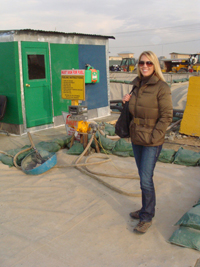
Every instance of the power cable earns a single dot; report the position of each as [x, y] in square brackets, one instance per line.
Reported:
[154, 44]
[155, 29]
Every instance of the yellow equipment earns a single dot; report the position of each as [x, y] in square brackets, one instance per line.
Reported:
[192, 64]
[180, 67]
[78, 119]
[190, 124]
[128, 64]
[79, 126]
[196, 68]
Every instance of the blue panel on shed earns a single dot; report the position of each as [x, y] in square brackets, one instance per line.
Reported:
[96, 95]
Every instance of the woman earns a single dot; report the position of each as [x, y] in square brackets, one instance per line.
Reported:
[151, 107]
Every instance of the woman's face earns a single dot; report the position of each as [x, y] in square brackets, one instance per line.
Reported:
[146, 66]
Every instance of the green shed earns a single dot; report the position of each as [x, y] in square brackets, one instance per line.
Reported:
[30, 76]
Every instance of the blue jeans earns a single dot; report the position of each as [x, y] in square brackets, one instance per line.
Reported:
[146, 157]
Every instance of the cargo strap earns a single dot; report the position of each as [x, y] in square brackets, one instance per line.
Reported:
[147, 122]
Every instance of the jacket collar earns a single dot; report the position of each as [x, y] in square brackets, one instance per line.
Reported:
[153, 80]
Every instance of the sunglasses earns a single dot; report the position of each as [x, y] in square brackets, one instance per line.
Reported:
[148, 63]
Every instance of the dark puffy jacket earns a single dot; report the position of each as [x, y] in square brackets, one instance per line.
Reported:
[152, 110]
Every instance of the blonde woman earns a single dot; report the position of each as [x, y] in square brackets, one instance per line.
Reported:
[151, 107]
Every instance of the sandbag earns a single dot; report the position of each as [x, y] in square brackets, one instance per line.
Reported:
[106, 143]
[167, 155]
[177, 81]
[186, 237]
[191, 218]
[76, 149]
[128, 82]
[122, 145]
[48, 146]
[97, 134]
[186, 157]
[8, 160]
[62, 141]
[120, 81]
[109, 129]
[93, 142]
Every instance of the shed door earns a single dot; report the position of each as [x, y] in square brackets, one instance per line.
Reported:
[37, 86]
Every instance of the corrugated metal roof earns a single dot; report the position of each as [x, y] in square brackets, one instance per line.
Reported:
[179, 53]
[174, 59]
[55, 33]
[184, 53]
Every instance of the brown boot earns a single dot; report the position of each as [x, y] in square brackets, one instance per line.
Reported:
[142, 227]
[135, 214]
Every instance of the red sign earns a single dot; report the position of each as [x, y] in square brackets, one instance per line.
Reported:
[72, 72]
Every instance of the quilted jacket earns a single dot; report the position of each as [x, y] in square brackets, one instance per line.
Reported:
[152, 110]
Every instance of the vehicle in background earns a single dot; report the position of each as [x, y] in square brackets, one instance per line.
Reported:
[115, 68]
[128, 64]
[114, 65]
[192, 64]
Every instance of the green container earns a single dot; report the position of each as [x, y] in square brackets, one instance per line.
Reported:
[91, 75]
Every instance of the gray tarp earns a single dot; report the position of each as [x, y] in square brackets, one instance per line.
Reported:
[65, 218]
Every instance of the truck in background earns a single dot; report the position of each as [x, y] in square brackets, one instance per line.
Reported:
[192, 64]
[126, 64]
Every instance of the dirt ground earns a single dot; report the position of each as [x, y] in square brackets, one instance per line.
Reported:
[190, 143]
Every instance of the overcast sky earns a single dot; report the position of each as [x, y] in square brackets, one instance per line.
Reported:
[163, 26]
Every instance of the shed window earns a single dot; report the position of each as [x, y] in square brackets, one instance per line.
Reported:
[36, 67]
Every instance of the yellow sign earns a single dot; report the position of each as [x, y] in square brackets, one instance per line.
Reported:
[73, 84]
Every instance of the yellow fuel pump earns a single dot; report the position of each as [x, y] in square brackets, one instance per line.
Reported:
[77, 118]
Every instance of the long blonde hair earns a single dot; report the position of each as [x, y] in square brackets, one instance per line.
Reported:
[153, 58]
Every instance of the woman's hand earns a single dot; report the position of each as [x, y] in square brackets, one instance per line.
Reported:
[126, 98]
